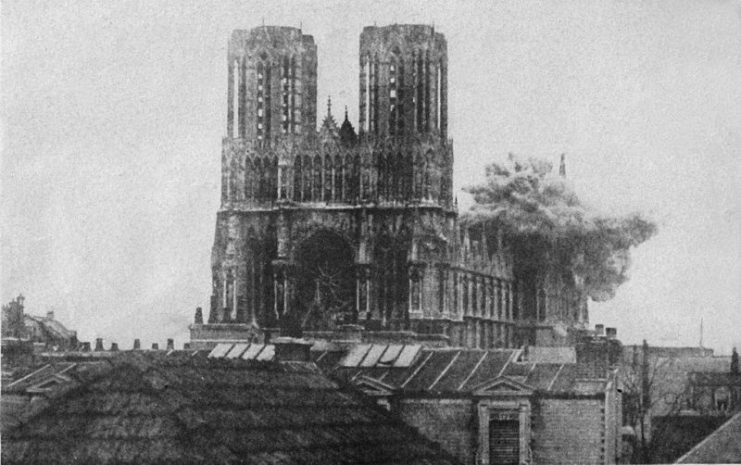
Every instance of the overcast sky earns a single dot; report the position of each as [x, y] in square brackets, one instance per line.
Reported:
[113, 114]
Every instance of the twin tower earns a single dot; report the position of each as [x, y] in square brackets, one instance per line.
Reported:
[329, 228]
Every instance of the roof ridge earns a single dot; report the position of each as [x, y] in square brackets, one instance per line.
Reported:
[708, 437]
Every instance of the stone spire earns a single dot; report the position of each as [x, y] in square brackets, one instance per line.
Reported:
[348, 136]
[562, 166]
[329, 127]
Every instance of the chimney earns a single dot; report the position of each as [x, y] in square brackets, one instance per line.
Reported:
[85, 347]
[611, 333]
[170, 344]
[99, 344]
[289, 349]
[155, 346]
[114, 346]
[50, 315]
[599, 330]
[734, 362]
[199, 316]
[137, 344]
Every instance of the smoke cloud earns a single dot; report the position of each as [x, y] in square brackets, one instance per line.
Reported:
[544, 222]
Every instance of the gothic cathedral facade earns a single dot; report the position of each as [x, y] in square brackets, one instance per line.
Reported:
[321, 231]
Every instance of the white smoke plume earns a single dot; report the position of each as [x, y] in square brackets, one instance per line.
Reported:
[544, 221]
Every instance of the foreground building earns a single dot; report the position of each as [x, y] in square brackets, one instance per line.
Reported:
[320, 230]
[168, 407]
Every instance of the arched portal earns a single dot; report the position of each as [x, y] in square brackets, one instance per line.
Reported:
[325, 282]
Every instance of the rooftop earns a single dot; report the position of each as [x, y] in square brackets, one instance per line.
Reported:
[183, 407]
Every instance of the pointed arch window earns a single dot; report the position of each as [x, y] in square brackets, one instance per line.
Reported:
[338, 178]
[297, 178]
[260, 179]
[317, 194]
[428, 175]
[260, 100]
[419, 175]
[393, 94]
[234, 88]
[328, 179]
[295, 116]
[439, 96]
[353, 179]
[249, 180]
[420, 76]
[365, 94]
[286, 94]
[308, 174]
[272, 192]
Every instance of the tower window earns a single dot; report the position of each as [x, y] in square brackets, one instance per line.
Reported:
[234, 99]
[260, 100]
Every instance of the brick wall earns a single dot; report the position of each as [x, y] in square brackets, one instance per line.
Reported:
[451, 423]
[568, 431]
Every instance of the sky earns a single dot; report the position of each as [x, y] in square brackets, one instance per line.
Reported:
[113, 114]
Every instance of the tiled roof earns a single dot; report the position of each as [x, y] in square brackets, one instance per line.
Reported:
[462, 371]
[721, 446]
[148, 408]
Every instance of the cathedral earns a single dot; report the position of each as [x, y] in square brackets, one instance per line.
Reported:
[344, 230]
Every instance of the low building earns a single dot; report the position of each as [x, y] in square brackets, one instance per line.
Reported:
[493, 406]
[46, 332]
[156, 407]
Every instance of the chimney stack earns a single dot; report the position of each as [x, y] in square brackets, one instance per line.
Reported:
[734, 362]
[114, 346]
[289, 349]
[170, 344]
[611, 333]
[199, 316]
[137, 344]
[85, 347]
[599, 330]
[99, 344]
[155, 346]
[50, 315]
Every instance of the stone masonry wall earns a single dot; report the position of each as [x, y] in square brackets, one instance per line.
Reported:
[451, 423]
[568, 431]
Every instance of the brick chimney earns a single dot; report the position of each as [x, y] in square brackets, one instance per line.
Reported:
[599, 330]
[85, 347]
[199, 316]
[99, 345]
[137, 344]
[155, 346]
[611, 333]
[114, 346]
[170, 344]
[289, 349]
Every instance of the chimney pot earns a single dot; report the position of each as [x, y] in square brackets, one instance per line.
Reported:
[170, 344]
[137, 344]
[599, 330]
[289, 349]
[155, 346]
[114, 346]
[611, 333]
[99, 344]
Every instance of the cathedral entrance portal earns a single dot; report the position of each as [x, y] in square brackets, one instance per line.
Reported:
[325, 282]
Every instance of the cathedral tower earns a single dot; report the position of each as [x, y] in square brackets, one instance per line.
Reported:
[403, 80]
[272, 84]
